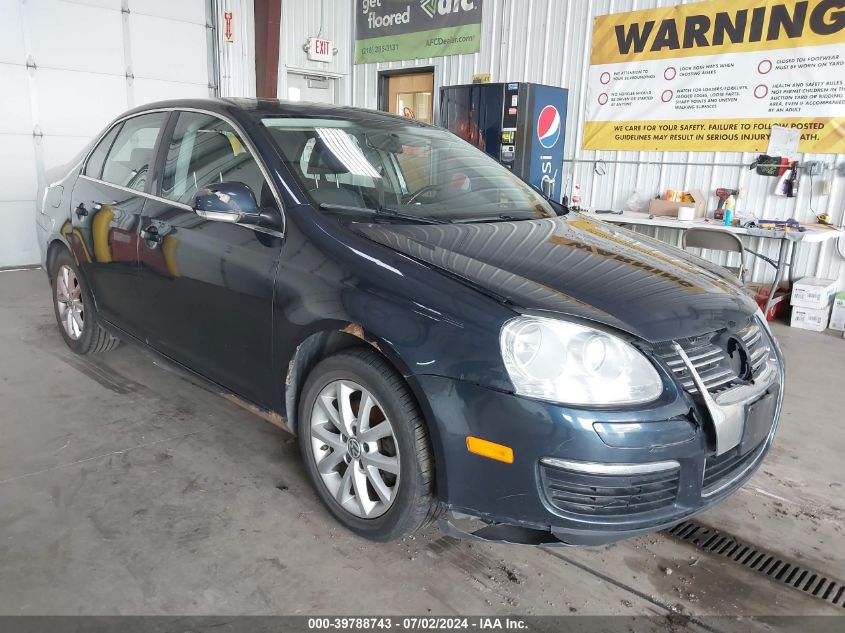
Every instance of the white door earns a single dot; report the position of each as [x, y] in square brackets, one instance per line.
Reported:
[313, 88]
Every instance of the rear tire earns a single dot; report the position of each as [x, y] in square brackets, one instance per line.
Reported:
[74, 309]
[373, 467]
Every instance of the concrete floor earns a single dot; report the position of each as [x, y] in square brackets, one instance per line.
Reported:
[127, 489]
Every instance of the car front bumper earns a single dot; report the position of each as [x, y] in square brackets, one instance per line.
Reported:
[588, 477]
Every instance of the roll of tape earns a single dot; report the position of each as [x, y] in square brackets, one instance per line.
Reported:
[686, 214]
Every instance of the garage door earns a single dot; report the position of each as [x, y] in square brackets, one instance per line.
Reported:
[66, 68]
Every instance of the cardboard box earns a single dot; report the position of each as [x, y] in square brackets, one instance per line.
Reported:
[669, 208]
[837, 315]
[812, 292]
[809, 319]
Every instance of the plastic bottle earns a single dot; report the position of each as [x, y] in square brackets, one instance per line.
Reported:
[576, 195]
[730, 203]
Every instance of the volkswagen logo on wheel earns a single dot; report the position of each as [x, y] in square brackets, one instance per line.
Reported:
[548, 126]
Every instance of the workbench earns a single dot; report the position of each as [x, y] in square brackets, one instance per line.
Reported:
[788, 239]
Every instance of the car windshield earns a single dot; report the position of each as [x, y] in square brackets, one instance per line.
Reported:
[400, 167]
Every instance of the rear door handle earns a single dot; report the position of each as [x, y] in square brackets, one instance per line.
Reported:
[151, 234]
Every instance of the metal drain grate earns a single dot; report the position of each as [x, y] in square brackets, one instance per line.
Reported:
[764, 562]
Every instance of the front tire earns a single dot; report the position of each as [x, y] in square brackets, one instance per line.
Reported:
[366, 447]
[74, 309]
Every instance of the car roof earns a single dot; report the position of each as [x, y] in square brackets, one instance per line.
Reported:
[277, 107]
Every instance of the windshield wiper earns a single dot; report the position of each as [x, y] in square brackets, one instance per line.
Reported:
[382, 212]
[501, 217]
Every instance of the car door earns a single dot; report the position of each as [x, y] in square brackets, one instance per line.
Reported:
[106, 204]
[208, 285]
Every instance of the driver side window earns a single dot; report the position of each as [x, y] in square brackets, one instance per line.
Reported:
[205, 150]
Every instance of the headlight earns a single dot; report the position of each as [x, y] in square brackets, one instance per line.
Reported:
[574, 364]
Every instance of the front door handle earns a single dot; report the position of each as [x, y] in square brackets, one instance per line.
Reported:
[151, 234]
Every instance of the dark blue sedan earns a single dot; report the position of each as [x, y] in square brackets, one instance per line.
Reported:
[443, 339]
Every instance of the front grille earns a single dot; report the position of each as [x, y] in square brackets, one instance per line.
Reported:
[711, 360]
[593, 494]
[720, 469]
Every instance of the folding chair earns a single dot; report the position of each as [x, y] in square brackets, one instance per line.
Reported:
[717, 240]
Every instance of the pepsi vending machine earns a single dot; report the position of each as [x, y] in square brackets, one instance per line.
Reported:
[519, 124]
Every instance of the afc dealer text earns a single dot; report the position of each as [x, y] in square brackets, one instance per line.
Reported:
[443, 6]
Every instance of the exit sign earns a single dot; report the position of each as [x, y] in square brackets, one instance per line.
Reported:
[320, 50]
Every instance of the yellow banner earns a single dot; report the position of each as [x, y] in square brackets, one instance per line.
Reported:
[716, 76]
[716, 27]
[723, 135]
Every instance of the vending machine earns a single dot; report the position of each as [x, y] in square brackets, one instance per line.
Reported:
[521, 125]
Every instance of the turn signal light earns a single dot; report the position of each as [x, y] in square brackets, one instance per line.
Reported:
[499, 452]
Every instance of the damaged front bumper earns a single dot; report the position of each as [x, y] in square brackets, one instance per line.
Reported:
[594, 477]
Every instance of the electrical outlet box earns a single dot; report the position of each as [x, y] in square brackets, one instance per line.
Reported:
[813, 167]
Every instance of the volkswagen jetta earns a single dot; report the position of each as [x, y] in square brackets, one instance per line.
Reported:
[443, 339]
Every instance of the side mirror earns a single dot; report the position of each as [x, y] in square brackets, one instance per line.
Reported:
[227, 202]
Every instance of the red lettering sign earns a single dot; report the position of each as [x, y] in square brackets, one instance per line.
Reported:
[227, 17]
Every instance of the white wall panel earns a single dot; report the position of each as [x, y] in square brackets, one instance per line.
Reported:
[60, 150]
[16, 162]
[12, 50]
[81, 57]
[15, 105]
[74, 36]
[183, 60]
[103, 4]
[104, 97]
[193, 12]
[17, 239]
[150, 90]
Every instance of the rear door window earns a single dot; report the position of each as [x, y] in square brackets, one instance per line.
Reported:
[130, 160]
[94, 166]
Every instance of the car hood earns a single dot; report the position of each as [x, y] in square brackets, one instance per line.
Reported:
[578, 266]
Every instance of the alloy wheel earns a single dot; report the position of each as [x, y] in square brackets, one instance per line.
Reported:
[69, 302]
[355, 449]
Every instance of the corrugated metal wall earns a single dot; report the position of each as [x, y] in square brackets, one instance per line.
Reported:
[302, 19]
[235, 59]
[548, 41]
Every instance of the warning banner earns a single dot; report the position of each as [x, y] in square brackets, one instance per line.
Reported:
[715, 76]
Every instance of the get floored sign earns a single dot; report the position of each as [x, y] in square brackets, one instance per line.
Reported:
[393, 30]
[715, 76]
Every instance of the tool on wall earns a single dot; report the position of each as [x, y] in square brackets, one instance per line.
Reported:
[788, 183]
[774, 166]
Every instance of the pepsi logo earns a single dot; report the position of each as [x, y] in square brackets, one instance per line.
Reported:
[548, 126]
